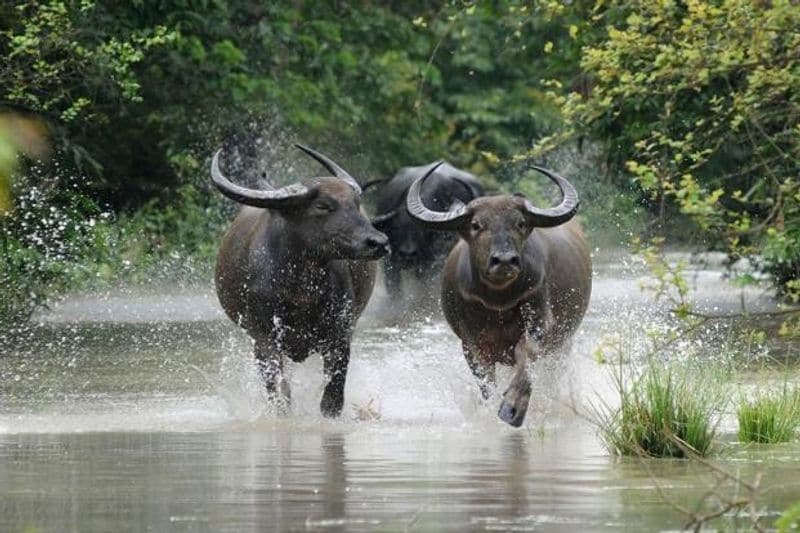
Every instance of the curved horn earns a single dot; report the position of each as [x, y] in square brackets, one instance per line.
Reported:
[332, 167]
[554, 216]
[451, 220]
[290, 196]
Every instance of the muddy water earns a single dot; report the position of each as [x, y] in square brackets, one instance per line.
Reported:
[134, 412]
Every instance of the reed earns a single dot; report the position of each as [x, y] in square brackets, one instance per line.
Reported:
[664, 412]
[769, 417]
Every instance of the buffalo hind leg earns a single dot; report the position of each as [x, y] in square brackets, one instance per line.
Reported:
[483, 371]
[270, 365]
[335, 366]
[518, 394]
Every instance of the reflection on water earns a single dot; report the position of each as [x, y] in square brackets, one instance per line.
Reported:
[160, 424]
[273, 478]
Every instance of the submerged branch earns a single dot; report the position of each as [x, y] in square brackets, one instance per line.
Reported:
[765, 314]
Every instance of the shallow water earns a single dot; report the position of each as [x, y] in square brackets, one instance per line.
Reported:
[144, 411]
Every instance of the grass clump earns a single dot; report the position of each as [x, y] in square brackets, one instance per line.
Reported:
[769, 418]
[664, 412]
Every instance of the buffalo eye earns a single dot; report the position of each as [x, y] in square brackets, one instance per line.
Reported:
[323, 207]
[476, 226]
[522, 225]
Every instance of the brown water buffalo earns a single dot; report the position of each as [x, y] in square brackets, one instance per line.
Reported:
[295, 271]
[515, 286]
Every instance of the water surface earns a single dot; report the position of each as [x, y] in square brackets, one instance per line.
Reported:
[143, 411]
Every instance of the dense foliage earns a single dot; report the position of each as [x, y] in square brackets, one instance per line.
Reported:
[138, 92]
[700, 101]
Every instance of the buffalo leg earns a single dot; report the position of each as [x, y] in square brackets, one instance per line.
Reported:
[516, 397]
[483, 372]
[335, 367]
[270, 365]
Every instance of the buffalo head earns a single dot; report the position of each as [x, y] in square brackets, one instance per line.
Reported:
[323, 214]
[495, 228]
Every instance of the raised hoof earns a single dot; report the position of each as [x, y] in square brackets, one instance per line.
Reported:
[511, 415]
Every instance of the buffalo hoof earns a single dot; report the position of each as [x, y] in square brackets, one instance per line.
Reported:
[511, 415]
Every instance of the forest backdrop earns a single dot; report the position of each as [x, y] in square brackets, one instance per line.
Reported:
[676, 120]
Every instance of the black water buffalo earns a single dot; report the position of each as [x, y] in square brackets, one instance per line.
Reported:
[515, 286]
[294, 271]
[414, 249]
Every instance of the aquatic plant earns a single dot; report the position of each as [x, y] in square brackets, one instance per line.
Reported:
[664, 412]
[769, 417]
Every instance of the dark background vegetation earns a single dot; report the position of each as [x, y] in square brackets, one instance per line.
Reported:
[674, 120]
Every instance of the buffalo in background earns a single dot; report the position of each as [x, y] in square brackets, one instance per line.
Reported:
[417, 251]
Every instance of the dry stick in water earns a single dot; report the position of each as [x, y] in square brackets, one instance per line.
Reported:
[698, 520]
[779, 312]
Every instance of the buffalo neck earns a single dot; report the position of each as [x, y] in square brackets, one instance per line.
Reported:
[297, 263]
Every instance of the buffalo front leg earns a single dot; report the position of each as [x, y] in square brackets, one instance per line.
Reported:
[516, 397]
[335, 366]
[270, 365]
[482, 370]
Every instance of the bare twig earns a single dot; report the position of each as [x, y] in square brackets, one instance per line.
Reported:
[424, 73]
[764, 314]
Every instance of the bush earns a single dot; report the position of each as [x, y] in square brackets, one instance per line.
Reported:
[698, 102]
[43, 241]
[172, 239]
[56, 240]
[665, 412]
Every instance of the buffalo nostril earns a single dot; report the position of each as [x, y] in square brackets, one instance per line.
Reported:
[504, 258]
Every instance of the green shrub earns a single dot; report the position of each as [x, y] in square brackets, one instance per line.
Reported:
[665, 412]
[769, 418]
[57, 240]
[789, 519]
[43, 242]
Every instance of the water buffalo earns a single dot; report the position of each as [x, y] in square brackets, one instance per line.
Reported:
[414, 249]
[294, 271]
[515, 286]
